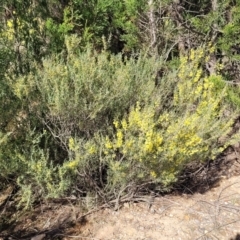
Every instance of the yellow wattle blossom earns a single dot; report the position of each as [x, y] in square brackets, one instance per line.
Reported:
[187, 122]
[31, 31]
[71, 164]
[38, 167]
[164, 118]
[197, 76]
[134, 118]
[129, 144]
[124, 124]
[207, 58]
[10, 23]
[108, 143]
[71, 144]
[9, 32]
[153, 174]
[220, 67]
[148, 147]
[158, 140]
[119, 142]
[212, 49]
[192, 54]
[199, 90]
[116, 124]
[193, 141]
[92, 150]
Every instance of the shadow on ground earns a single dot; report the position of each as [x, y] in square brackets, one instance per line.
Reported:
[201, 178]
[48, 222]
[237, 237]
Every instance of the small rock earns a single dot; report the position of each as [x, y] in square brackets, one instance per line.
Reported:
[231, 157]
[39, 237]
[126, 205]
[236, 145]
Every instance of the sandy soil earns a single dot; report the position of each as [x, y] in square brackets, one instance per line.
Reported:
[213, 215]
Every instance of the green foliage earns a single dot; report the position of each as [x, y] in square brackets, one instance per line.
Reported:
[77, 95]
[87, 90]
[32, 168]
[92, 19]
[8, 164]
[115, 21]
[43, 178]
[232, 90]
[57, 32]
[22, 31]
[149, 145]
[230, 37]
[234, 96]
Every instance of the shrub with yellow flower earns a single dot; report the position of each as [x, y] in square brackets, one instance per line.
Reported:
[158, 146]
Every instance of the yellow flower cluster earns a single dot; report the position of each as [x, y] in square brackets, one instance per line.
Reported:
[153, 174]
[192, 87]
[137, 138]
[153, 141]
[92, 150]
[197, 75]
[71, 144]
[37, 167]
[119, 141]
[185, 138]
[163, 144]
[108, 143]
[71, 164]
[9, 33]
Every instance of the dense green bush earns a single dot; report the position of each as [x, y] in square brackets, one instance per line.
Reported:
[83, 93]
[154, 142]
[71, 95]
[97, 124]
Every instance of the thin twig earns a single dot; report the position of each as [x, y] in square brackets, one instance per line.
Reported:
[224, 225]
[78, 237]
[219, 197]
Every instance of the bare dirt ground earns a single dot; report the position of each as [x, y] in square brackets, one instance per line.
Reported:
[214, 215]
[206, 206]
